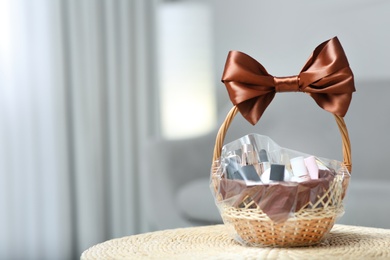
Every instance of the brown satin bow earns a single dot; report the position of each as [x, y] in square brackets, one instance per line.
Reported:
[326, 77]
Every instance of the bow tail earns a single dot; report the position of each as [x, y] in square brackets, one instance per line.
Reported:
[252, 109]
[334, 103]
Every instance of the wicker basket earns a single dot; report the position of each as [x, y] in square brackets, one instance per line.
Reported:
[308, 226]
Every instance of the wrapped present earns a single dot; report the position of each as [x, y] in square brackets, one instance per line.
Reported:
[269, 195]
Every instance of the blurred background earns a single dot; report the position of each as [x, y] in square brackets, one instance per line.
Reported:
[109, 110]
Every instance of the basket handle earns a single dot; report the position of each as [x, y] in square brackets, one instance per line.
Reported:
[346, 144]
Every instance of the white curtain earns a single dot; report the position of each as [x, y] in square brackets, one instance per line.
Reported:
[77, 103]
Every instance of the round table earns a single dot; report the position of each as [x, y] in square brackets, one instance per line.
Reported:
[214, 242]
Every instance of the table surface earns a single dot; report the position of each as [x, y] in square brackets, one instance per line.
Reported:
[214, 242]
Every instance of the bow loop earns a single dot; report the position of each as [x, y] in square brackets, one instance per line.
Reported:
[326, 77]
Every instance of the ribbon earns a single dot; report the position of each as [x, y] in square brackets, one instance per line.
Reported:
[326, 77]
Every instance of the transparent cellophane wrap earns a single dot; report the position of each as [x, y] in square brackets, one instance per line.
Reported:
[280, 213]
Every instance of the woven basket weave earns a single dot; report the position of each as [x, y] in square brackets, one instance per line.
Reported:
[308, 226]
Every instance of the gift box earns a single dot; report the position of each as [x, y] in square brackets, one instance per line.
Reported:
[269, 195]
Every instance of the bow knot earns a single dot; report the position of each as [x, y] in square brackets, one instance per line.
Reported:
[326, 77]
[286, 84]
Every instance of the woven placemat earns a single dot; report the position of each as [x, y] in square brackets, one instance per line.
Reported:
[213, 242]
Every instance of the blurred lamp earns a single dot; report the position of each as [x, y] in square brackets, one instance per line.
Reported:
[187, 99]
